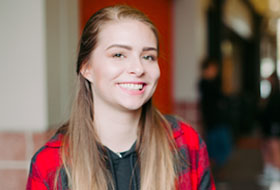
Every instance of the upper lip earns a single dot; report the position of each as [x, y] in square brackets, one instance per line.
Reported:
[132, 82]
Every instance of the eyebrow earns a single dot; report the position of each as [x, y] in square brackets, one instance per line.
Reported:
[119, 46]
[150, 49]
[130, 48]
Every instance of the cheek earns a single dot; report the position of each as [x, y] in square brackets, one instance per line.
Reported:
[155, 73]
[106, 73]
[97, 75]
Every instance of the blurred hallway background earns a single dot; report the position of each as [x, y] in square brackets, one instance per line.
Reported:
[37, 72]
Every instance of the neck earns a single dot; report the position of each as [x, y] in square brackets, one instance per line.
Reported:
[116, 129]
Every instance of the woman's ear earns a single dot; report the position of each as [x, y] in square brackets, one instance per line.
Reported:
[86, 71]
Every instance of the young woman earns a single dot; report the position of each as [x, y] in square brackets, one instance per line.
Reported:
[115, 138]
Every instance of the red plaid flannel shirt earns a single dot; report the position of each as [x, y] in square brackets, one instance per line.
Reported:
[195, 175]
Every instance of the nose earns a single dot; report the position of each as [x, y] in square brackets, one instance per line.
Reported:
[135, 67]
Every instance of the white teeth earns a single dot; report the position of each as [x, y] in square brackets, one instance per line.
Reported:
[131, 86]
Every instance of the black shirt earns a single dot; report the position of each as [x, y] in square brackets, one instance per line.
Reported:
[124, 169]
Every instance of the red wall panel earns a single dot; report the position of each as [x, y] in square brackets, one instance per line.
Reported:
[160, 12]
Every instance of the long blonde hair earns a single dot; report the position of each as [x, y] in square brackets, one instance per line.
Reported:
[81, 155]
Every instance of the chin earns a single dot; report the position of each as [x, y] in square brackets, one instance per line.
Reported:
[133, 106]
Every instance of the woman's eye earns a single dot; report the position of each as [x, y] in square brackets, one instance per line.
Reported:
[149, 57]
[118, 55]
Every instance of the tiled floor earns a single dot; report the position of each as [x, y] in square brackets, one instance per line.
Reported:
[243, 168]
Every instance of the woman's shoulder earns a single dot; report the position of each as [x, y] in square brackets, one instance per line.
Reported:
[195, 173]
[48, 156]
[184, 133]
[180, 127]
[44, 164]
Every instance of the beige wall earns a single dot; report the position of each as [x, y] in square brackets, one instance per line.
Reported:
[62, 31]
[23, 62]
[189, 46]
[37, 53]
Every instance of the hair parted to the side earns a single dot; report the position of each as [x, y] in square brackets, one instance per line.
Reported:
[81, 155]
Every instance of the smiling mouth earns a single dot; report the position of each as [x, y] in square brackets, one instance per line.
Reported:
[131, 86]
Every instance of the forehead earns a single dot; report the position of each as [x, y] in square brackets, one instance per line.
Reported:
[127, 31]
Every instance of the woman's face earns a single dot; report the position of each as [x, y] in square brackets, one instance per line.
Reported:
[123, 68]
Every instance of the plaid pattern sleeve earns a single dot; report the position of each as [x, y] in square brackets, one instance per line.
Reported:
[195, 173]
[44, 165]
